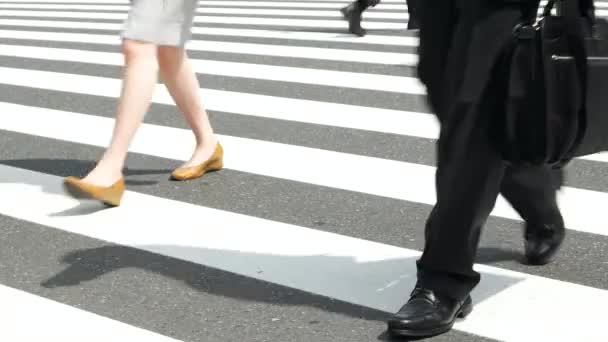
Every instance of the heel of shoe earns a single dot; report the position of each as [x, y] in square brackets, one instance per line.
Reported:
[112, 198]
[465, 310]
[215, 165]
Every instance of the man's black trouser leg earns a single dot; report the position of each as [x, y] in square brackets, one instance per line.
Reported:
[414, 19]
[470, 175]
[532, 192]
[364, 4]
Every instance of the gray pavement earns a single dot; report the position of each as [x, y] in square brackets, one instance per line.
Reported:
[166, 293]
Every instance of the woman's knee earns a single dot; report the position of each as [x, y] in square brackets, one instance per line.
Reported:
[135, 50]
[169, 57]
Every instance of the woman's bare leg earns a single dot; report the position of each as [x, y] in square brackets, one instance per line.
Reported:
[180, 79]
[140, 77]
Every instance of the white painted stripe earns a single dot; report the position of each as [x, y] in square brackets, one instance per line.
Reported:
[421, 125]
[583, 210]
[205, 4]
[295, 35]
[27, 317]
[322, 113]
[234, 69]
[73, 1]
[127, 1]
[396, 2]
[343, 55]
[220, 10]
[317, 24]
[337, 14]
[302, 4]
[60, 6]
[357, 271]
[598, 157]
[598, 4]
[373, 14]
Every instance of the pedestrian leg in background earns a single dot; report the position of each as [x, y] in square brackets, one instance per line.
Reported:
[412, 9]
[154, 32]
[353, 13]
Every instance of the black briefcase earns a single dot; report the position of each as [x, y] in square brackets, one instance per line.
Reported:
[552, 80]
[595, 137]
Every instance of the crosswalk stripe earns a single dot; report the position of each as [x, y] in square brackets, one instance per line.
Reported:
[27, 317]
[598, 4]
[355, 214]
[308, 36]
[396, 2]
[299, 4]
[314, 23]
[413, 124]
[344, 268]
[372, 14]
[221, 10]
[67, 1]
[346, 55]
[581, 208]
[323, 113]
[234, 69]
[353, 270]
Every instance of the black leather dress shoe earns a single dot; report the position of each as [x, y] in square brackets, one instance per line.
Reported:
[427, 314]
[541, 242]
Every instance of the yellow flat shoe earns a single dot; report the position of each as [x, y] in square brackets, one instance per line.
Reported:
[110, 195]
[214, 163]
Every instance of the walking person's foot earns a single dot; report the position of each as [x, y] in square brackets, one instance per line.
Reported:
[352, 13]
[542, 242]
[427, 314]
[208, 156]
[110, 195]
[105, 183]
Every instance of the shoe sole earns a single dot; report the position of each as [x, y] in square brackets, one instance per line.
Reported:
[462, 313]
[179, 179]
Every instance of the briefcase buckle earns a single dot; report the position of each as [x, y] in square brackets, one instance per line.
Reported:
[524, 31]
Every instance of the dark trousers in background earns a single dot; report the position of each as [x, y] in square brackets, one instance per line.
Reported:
[412, 7]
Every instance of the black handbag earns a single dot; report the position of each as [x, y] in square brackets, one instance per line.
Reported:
[595, 137]
[542, 82]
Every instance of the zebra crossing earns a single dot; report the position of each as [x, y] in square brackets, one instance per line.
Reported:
[311, 231]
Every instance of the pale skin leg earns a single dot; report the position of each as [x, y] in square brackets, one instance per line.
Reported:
[180, 79]
[142, 64]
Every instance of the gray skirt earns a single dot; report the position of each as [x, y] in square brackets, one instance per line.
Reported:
[162, 22]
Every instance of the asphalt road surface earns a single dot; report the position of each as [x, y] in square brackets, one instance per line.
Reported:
[311, 231]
